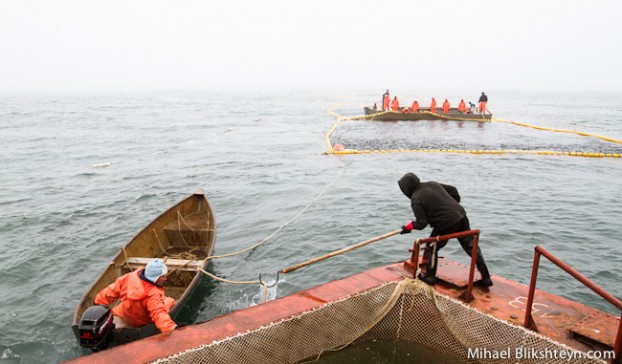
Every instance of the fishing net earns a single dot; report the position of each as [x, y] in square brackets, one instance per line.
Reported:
[407, 310]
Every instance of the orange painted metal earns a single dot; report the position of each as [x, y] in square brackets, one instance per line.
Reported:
[584, 329]
[505, 300]
[231, 324]
[468, 296]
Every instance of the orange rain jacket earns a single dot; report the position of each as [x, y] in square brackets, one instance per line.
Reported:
[415, 106]
[462, 106]
[395, 104]
[141, 302]
[445, 107]
[385, 103]
[433, 106]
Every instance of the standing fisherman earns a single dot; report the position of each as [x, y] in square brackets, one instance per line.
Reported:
[415, 107]
[446, 107]
[438, 204]
[433, 106]
[386, 99]
[482, 103]
[395, 104]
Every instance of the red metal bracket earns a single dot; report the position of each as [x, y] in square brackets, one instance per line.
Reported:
[414, 264]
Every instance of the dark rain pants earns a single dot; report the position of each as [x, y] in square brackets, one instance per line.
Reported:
[466, 243]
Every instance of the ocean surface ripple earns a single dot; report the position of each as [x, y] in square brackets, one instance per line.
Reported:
[83, 173]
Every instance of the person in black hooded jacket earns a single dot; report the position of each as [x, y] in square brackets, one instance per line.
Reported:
[439, 206]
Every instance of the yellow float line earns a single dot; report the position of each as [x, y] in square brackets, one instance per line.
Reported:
[467, 151]
[559, 130]
[480, 151]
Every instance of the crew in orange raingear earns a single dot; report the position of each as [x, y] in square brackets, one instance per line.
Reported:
[433, 106]
[386, 99]
[415, 107]
[142, 298]
[462, 106]
[482, 103]
[395, 105]
[446, 107]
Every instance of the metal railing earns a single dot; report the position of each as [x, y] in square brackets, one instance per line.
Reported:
[529, 322]
[468, 297]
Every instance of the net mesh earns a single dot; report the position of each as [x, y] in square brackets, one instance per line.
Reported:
[407, 310]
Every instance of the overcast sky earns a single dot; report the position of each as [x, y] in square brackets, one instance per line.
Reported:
[177, 44]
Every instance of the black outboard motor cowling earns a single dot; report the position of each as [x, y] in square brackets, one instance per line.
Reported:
[96, 328]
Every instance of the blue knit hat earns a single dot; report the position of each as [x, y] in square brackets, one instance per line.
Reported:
[155, 269]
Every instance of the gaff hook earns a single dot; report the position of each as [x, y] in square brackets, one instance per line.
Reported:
[272, 285]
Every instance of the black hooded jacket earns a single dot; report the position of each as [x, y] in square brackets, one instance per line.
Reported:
[433, 203]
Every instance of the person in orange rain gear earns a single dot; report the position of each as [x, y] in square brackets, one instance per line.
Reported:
[482, 103]
[395, 104]
[142, 298]
[462, 106]
[446, 107]
[405, 110]
[415, 107]
[433, 106]
[386, 99]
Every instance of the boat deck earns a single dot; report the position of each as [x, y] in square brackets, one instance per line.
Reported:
[562, 320]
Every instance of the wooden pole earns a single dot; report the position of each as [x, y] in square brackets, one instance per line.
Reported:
[340, 251]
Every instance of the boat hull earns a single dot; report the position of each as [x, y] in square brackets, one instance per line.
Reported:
[185, 230]
[423, 114]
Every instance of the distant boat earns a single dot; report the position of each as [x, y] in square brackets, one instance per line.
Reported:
[423, 114]
[183, 236]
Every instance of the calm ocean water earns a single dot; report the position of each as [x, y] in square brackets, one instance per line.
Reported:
[259, 158]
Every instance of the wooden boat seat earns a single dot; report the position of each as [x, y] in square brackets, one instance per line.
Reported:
[178, 264]
[189, 233]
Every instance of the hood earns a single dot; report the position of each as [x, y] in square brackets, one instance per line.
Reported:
[408, 183]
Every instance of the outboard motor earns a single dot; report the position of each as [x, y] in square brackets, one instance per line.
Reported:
[96, 328]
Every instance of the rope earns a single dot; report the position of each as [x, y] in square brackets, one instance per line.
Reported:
[159, 242]
[481, 151]
[280, 227]
[341, 118]
[179, 217]
[265, 287]
[469, 151]
[607, 139]
[126, 260]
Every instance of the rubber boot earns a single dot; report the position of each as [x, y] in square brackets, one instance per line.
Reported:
[430, 272]
[483, 270]
[480, 263]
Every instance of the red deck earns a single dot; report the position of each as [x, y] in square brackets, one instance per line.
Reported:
[506, 300]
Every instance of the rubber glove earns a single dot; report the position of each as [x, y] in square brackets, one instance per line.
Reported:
[407, 228]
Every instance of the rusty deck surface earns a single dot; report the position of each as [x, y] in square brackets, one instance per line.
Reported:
[556, 317]
[505, 300]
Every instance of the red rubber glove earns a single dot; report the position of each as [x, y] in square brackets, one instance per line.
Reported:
[407, 228]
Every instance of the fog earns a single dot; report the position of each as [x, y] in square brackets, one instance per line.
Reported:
[274, 44]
